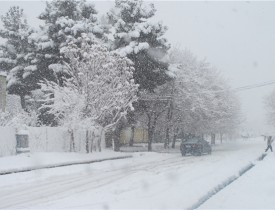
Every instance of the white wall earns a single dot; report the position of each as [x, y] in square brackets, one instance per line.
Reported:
[7, 141]
[49, 139]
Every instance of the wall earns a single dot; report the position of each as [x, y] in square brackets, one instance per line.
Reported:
[50, 139]
[7, 141]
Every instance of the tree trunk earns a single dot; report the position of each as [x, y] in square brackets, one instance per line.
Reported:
[23, 102]
[169, 117]
[116, 141]
[150, 134]
[151, 130]
[221, 137]
[131, 142]
[150, 139]
[72, 143]
[87, 141]
[174, 138]
[116, 136]
[92, 147]
[166, 142]
[100, 139]
[213, 138]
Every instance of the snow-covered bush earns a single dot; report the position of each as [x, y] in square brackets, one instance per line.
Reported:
[15, 116]
[18, 120]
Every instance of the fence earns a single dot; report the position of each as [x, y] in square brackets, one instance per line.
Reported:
[53, 139]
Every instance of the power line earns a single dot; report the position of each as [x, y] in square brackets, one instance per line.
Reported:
[248, 87]
[238, 89]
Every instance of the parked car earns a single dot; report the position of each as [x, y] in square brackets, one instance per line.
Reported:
[195, 146]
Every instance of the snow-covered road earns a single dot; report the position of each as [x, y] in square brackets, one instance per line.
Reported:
[149, 180]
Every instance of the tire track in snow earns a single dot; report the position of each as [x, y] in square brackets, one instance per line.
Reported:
[50, 190]
[225, 183]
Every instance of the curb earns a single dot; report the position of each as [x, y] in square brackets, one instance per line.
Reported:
[61, 165]
[225, 183]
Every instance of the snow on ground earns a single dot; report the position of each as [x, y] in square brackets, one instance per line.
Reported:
[254, 190]
[146, 181]
[40, 159]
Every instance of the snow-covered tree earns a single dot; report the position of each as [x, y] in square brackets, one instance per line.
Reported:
[203, 101]
[136, 36]
[100, 90]
[154, 106]
[270, 107]
[16, 52]
[65, 21]
[15, 116]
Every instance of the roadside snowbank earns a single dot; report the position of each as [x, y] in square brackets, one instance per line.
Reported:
[34, 161]
[254, 190]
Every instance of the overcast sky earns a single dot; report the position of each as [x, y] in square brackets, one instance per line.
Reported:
[236, 37]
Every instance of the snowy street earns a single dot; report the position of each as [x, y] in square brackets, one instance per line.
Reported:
[134, 104]
[148, 180]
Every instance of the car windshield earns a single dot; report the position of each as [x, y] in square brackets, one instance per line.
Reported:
[192, 141]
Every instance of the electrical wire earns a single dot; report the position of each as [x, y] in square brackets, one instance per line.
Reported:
[248, 87]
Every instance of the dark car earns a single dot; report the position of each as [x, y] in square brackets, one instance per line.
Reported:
[195, 146]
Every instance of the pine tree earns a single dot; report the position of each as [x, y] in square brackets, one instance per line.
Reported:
[16, 52]
[141, 40]
[65, 21]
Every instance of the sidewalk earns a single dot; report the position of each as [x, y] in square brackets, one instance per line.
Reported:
[35, 161]
[254, 190]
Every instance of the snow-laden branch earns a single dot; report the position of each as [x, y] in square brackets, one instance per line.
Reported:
[101, 88]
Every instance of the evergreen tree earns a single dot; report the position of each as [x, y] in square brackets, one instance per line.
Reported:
[16, 52]
[65, 21]
[141, 40]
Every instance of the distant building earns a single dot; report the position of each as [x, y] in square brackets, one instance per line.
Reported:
[140, 135]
